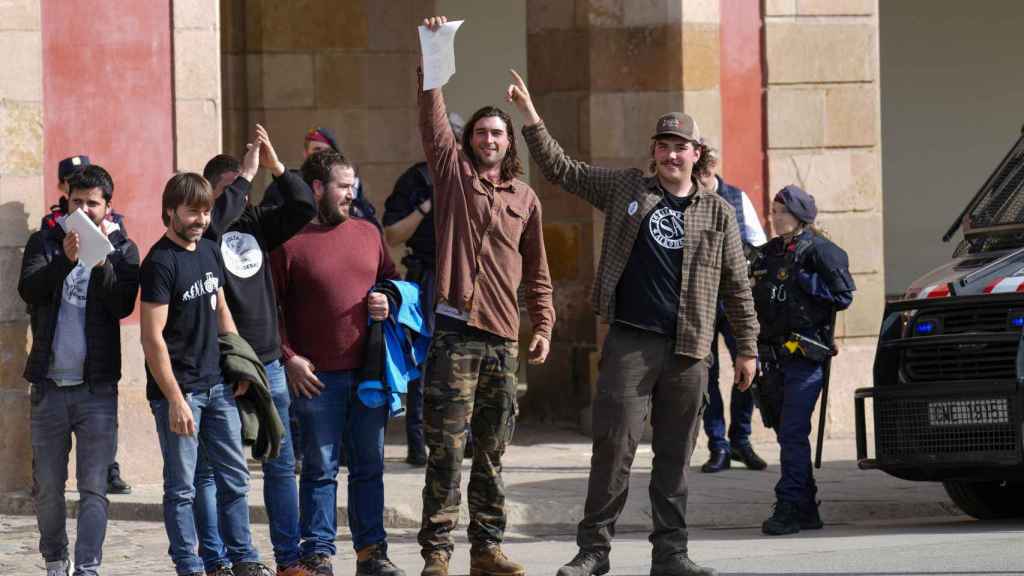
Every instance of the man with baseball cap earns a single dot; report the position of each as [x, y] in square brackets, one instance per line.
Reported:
[671, 249]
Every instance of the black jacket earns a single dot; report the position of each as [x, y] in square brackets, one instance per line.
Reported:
[247, 235]
[110, 297]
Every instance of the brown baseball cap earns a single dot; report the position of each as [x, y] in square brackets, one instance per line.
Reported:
[677, 124]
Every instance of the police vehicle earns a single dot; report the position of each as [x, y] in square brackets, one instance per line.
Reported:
[948, 396]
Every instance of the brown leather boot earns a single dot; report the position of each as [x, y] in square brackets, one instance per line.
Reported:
[491, 561]
[435, 564]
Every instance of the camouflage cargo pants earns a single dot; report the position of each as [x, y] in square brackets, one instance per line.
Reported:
[469, 381]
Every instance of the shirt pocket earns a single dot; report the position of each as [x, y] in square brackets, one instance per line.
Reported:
[514, 222]
[709, 250]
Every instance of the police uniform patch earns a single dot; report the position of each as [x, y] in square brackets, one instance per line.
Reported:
[782, 274]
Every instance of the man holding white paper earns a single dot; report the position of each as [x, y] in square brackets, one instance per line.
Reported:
[75, 365]
[489, 241]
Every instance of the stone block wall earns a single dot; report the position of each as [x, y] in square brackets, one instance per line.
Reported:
[349, 66]
[21, 207]
[824, 135]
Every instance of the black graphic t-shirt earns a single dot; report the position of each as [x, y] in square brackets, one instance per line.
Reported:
[647, 296]
[187, 281]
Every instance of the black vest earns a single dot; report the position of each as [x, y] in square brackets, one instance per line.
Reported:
[734, 196]
[783, 307]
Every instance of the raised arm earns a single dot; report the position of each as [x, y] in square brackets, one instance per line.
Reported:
[232, 202]
[280, 222]
[591, 183]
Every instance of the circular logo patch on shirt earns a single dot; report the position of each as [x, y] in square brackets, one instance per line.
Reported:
[242, 254]
[667, 228]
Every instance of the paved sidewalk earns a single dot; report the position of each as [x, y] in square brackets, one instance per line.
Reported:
[545, 477]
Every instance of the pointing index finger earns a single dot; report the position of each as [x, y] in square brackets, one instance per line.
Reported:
[518, 79]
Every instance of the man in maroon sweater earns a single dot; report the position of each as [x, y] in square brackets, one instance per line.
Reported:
[323, 277]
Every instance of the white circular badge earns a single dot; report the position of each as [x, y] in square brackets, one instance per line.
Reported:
[242, 254]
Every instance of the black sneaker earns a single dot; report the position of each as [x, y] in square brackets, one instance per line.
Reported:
[586, 563]
[222, 570]
[785, 519]
[378, 563]
[810, 518]
[252, 569]
[319, 564]
[679, 564]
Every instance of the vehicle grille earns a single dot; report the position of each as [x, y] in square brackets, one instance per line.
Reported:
[975, 320]
[902, 429]
[951, 362]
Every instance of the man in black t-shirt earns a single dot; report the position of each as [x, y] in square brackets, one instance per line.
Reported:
[183, 311]
[247, 235]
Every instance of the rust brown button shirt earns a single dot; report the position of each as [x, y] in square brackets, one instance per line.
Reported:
[713, 263]
[489, 237]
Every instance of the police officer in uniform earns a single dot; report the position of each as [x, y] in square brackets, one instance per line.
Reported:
[800, 279]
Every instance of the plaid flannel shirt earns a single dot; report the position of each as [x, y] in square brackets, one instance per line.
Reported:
[713, 263]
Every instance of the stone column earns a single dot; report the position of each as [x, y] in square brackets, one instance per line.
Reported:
[824, 135]
[21, 207]
[631, 62]
[197, 83]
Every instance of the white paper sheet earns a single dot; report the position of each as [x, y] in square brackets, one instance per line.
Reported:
[438, 49]
[93, 245]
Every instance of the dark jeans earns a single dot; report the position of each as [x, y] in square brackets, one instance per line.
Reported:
[640, 377]
[424, 276]
[332, 422]
[803, 381]
[741, 404]
[89, 415]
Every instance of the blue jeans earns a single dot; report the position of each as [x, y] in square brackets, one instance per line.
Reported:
[741, 404]
[219, 438]
[333, 421]
[280, 493]
[802, 384]
[91, 415]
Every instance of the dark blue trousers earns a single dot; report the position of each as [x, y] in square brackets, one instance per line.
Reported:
[803, 382]
[741, 404]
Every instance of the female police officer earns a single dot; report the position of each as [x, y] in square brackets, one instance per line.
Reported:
[800, 280]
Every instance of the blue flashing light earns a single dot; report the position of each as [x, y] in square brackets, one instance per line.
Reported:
[926, 327]
[1017, 321]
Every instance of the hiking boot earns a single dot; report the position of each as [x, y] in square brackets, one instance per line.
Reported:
[222, 570]
[718, 461]
[376, 562]
[810, 519]
[435, 563]
[679, 564]
[785, 519]
[749, 458]
[59, 568]
[319, 564]
[252, 569]
[296, 569]
[491, 561]
[116, 484]
[586, 563]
